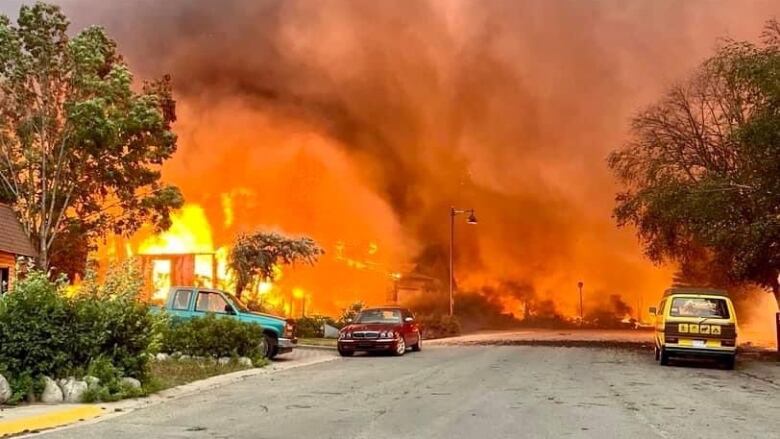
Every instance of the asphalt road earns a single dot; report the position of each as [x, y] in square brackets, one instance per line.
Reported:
[473, 392]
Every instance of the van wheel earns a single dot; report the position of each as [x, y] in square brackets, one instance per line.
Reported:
[729, 362]
[664, 357]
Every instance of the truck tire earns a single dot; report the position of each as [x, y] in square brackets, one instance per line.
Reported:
[729, 362]
[271, 347]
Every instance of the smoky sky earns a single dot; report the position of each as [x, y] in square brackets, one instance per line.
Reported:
[509, 107]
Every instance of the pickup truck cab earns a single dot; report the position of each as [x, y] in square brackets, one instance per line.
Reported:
[191, 302]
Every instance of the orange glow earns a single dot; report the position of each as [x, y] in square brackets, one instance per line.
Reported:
[366, 153]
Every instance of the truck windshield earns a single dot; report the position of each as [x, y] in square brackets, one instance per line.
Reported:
[237, 304]
[699, 307]
[379, 316]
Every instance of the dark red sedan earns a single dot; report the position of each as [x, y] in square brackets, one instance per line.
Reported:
[388, 329]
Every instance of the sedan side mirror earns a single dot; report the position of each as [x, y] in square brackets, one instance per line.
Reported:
[653, 310]
[409, 319]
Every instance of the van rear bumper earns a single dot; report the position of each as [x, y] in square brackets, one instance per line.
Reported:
[683, 351]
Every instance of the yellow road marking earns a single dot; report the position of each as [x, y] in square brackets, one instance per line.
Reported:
[45, 421]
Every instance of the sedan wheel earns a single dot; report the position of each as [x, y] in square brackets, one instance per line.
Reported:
[400, 347]
[417, 347]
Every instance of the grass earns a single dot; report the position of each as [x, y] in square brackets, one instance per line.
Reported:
[166, 374]
[330, 342]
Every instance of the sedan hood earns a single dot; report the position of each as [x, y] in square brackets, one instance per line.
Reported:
[372, 326]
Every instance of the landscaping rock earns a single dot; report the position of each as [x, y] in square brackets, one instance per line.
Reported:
[244, 361]
[52, 394]
[131, 382]
[223, 361]
[72, 389]
[5, 390]
[92, 381]
[162, 357]
[184, 357]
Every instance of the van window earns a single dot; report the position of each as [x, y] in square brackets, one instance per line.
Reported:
[699, 307]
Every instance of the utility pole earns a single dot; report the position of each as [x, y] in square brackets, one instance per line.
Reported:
[452, 260]
[472, 219]
[580, 284]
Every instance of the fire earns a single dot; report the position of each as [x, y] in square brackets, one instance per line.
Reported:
[190, 234]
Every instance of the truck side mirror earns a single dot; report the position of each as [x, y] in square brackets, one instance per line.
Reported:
[653, 310]
[229, 309]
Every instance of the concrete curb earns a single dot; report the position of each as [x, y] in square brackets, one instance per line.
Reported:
[34, 418]
[322, 348]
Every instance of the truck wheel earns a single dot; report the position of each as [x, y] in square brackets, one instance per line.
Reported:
[664, 357]
[269, 347]
[729, 362]
[657, 353]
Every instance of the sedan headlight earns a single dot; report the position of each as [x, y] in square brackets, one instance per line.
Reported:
[344, 335]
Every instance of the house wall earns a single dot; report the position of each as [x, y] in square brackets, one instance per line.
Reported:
[7, 260]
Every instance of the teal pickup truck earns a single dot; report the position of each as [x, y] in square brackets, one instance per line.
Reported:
[190, 302]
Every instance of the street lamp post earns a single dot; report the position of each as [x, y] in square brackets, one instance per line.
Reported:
[580, 284]
[472, 219]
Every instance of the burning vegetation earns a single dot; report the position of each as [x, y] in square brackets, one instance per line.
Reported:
[360, 124]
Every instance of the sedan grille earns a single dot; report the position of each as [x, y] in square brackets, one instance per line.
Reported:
[365, 334]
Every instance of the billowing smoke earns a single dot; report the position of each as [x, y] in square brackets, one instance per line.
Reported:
[365, 121]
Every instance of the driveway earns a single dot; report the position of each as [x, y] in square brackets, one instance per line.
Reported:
[472, 392]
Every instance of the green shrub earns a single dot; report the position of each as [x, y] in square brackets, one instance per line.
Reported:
[210, 336]
[438, 326]
[119, 327]
[44, 332]
[35, 321]
[311, 327]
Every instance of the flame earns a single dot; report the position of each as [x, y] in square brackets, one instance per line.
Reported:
[190, 232]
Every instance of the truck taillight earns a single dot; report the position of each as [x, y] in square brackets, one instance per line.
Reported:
[289, 329]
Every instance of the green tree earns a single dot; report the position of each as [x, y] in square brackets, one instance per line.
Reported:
[349, 313]
[701, 169]
[80, 150]
[254, 256]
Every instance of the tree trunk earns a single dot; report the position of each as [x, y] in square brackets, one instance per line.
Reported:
[43, 256]
[776, 292]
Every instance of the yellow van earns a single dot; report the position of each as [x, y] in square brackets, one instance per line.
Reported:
[695, 322]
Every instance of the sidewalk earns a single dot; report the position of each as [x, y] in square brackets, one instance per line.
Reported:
[27, 419]
[33, 418]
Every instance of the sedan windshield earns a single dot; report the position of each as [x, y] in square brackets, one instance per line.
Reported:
[379, 316]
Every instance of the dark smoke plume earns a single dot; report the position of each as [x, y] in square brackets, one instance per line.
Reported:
[506, 107]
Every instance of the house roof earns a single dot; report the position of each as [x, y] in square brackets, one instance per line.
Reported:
[12, 237]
